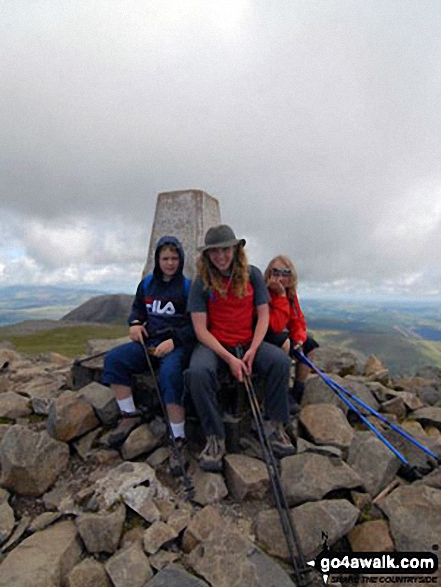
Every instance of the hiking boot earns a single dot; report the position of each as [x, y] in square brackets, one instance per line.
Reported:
[211, 457]
[128, 423]
[177, 461]
[279, 440]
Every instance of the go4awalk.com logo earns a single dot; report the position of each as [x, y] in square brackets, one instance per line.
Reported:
[394, 567]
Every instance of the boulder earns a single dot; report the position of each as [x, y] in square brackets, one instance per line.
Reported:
[318, 392]
[158, 535]
[430, 415]
[414, 514]
[88, 573]
[309, 477]
[142, 440]
[176, 576]
[50, 555]
[200, 527]
[341, 361]
[101, 531]
[31, 461]
[246, 477]
[70, 416]
[102, 400]
[228, 559]
[326, 424]
[371, 536]
[129, 567]
[14, 405]
[334, 517]
[7, 521]
[373, 461]
[209, 488]
[140, 500]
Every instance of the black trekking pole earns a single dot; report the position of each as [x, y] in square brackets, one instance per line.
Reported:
[81, 361]
[189, 489]
[348, 398]
[292, 539]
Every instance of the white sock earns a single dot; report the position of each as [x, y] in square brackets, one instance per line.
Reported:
[126, 405]
[178, 429]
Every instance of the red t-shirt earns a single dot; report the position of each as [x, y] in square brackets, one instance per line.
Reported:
[285, 313]
[230, 319]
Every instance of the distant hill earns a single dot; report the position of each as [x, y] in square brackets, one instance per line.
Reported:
[32, 302]
[105, 309]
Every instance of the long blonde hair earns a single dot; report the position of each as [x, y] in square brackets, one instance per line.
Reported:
[212, 278]
[293, 278]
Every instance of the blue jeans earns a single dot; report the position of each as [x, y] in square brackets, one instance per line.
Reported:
[129, 359]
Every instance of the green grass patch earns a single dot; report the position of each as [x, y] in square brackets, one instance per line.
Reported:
[69, 341]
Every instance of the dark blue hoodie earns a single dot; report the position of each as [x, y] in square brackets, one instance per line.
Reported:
[161, 305]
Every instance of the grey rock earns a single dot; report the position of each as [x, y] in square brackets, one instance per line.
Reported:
[209, 488]
[429, 415]
[309, 477]
[340, 361]
[327, 451]
[101, 532]
[373, 461]
[21, 528]
[200, 527]
[140, 500]
[84, 444]
[175, 576]
[179, 519]
[414, 514]
[158, 535]
[114, 484]
[359, 387]
[7, 521]
[334, 517]
[326, 424]
[43, 521]
[88, 573]
[70, 417]
[50, 555]
[246, 477]
[129, 566]
[164, 558]
[395, 406]
[103, 401]
[141, 440]
[371, 536]
[31, 461]
[318, 392]
[14, 405]
[228, 559]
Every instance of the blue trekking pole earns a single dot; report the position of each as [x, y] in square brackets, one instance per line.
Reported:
[344, 394]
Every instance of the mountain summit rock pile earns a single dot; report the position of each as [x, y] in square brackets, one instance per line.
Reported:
[75, 513]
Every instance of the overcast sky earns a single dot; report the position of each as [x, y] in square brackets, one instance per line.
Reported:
[316, 123]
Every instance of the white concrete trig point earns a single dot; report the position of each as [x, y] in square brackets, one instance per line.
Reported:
[186, 214]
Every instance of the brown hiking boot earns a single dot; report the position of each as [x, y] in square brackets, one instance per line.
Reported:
[211, 457]
[178, 458]
[128, 423]
[279, 440]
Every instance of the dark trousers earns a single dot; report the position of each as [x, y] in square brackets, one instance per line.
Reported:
[201, 381]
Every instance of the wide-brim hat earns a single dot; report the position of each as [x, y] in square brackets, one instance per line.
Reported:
[220, 236]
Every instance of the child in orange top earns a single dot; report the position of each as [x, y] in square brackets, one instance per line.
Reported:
[287, 324]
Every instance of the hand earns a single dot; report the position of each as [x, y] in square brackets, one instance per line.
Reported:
[164, 348]
[137, 333]
[297, 345]
[248, 359]
[275, 286]
[237, 368]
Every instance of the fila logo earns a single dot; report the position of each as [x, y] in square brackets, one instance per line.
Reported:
[155, 308]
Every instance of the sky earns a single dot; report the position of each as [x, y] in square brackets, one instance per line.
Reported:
[316, 124]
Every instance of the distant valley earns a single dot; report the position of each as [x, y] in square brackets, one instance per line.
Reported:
[405, 335]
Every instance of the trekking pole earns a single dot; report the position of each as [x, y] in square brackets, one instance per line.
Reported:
[81, 361]
[189, 489]
[340, 390]
[291, 537]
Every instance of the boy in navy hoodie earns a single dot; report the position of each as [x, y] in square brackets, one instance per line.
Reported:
[159, 317]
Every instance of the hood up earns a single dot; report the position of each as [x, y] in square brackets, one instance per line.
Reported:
[168, 240]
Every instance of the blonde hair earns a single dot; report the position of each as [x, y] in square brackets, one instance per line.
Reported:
[292, 279]
[212, 278]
